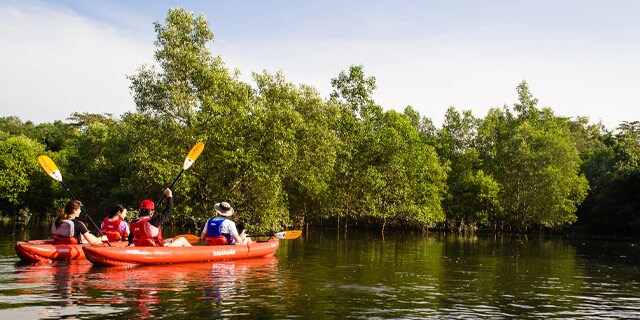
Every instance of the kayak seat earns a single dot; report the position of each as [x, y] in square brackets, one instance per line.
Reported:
[216, 241]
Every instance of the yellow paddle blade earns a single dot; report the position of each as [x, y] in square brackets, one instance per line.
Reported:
[191, 238]
[193, 155]
[50, 167]
[290, 234]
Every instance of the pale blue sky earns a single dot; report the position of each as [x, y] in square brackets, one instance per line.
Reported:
[579, 57]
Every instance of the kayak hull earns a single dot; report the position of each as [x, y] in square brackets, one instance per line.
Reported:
[45, 250]
[127, 256]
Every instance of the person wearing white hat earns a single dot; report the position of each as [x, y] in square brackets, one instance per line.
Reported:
[220, 230]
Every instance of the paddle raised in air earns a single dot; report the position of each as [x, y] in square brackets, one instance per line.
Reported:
[52, 170]
[188, 161]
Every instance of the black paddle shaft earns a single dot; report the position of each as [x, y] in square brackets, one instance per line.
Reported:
[170, 187]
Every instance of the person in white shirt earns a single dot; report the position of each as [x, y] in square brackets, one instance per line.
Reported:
[220, 230]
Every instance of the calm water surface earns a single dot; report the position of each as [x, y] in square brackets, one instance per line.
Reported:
[328, 275]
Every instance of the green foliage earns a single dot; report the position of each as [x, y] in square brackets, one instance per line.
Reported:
[354, 89]
[284, 156]
[52, 135]
[613, 170]
[533, 157]
[18, 165]
[384, 170]
[473, 197]
[295, 139]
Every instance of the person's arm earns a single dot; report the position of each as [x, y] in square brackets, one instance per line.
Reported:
[91, 238]
[237, 239]
[203, 235]
[80, 228]
[233, 231]
[123, 228]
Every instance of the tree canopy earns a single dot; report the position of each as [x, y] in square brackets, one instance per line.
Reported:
[282, 155]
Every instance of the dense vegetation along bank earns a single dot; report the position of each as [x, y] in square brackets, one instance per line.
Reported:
[285, 156]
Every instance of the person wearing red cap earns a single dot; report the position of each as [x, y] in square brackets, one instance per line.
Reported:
[146, 231]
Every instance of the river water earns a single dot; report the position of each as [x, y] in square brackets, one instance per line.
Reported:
[332, 275]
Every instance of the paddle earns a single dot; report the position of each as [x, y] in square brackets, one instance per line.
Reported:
[191, 238]
[52, 170]
[289, 234]
[188, 161]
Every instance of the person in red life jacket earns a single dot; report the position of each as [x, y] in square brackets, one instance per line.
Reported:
[66, 230]
[220, 230]
[146, 231]
[114, 226]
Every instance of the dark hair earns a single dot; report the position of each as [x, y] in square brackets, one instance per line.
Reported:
[145, 212]
[69, 208]
[115, 210]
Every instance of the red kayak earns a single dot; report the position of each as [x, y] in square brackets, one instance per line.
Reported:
[119, 256]
[45, 250]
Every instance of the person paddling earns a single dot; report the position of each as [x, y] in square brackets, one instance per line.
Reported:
[114, 226]
[220, 230]
[66, 230]
[146, 231]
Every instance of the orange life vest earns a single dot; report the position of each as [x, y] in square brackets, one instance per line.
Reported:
[111, 229]
[64, 240]
[143, 232]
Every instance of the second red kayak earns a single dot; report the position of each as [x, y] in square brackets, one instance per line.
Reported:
[119, 256]
[45, 250]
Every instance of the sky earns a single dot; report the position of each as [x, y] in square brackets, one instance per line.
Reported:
[581, 58]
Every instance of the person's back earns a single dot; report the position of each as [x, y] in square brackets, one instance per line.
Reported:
[63, 232]
[114, 226]
[217, 231]
[66, 230]
[220, 230]
[146, 231]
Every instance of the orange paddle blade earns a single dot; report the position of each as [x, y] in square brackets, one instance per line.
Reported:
[191, 238]
[289, 234]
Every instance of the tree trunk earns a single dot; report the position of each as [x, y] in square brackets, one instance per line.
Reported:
[14, 210]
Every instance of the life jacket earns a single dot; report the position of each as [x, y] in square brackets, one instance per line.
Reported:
[214, 236]
[143, 233]
[64, 234]
[64, 240]
[111, 229]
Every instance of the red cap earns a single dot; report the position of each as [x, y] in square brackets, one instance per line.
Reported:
[147, 204]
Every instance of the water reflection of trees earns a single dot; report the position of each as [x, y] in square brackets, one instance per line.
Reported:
[509, 276]
[440, 274]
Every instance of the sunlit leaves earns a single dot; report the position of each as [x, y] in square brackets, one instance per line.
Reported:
[536, 162]
[18, 165]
